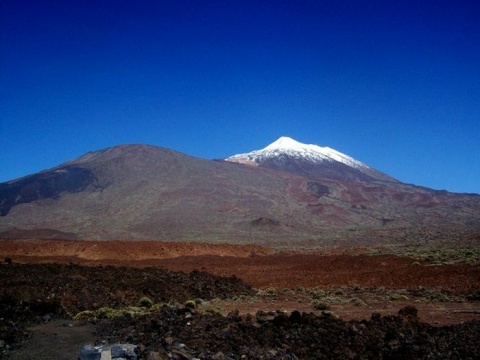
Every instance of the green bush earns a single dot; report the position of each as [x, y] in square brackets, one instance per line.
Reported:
[396, 297]
[357, 302]
[339, 292]
[271, 291]
[156, 307]
[145, 302]
[300, 289]
[319, 305]
[317, 293]
[438, 297]
[190, 304]
[332, 299]
[85, 315]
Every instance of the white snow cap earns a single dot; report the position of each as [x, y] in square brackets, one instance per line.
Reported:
[286, 149]
[286, 142]
[293, 148]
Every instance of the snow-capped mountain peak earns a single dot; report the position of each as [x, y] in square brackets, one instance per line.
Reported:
[289, 155]
[308, 152]
[285, 142]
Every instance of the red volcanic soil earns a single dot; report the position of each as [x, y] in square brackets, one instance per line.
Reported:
[112, 252]
[264, 268]
[259, 266]
[293, 270]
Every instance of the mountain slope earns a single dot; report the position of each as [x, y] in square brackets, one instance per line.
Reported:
[138, 191]
[287, 154]
[145, 192]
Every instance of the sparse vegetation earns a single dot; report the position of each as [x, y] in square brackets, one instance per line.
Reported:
[210, 308]
[110, 313]
[438, 255]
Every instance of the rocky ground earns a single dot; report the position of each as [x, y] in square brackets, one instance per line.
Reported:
[187, 334]
[234, 303]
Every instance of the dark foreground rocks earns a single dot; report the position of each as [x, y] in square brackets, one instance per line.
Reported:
[35, 294]
[181, 333]
[74, 288]
[112, 352]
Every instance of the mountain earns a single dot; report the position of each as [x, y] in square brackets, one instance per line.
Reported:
[287, 154]
[145, 192]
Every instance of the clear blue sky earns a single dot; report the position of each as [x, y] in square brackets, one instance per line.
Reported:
[395, 84]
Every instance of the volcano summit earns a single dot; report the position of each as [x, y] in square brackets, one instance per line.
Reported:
[287, 154]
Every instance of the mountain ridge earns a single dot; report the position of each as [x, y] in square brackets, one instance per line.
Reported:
[146, 192]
